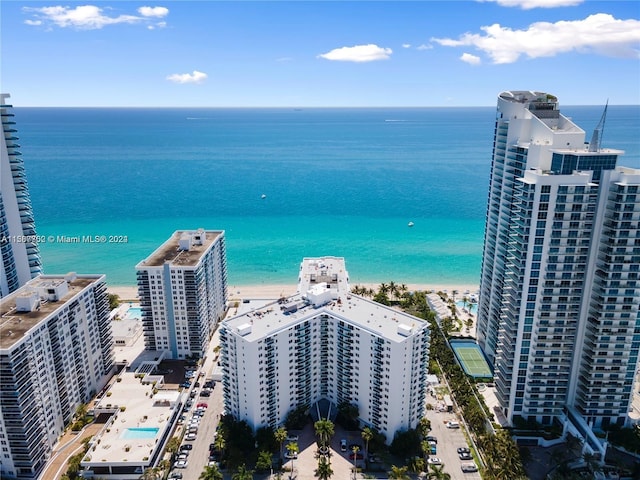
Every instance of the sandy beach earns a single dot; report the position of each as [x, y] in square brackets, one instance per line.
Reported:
[236, 292]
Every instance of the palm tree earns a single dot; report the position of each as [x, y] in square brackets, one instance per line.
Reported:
[398, 473]
[211, 473]
[323, 472]
[242, 473]
[151, 474]
[436, 472]
[324, 430]
[424, 426]
[292, 449]
[172, 446]
[280, 435]
[220, 443]
[367, 435]
[355, 451]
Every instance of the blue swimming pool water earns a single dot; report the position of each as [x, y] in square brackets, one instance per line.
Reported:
[472, 307]
[134, 312]
[139, 432]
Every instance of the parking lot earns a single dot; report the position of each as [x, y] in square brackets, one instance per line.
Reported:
[449, 440]
[198, 455]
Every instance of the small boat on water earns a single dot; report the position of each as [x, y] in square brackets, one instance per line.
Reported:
[410, 224]
[263, 196]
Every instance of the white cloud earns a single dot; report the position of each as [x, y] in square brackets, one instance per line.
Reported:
[529, 4]
[600, 33]
[406, 45]
[195, 77]
[470, 59]
[424, 47]
[158, 12]
[85, 17]
[358, 53]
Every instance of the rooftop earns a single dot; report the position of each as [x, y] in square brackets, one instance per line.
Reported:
[183, 248]
[45, 294]
[139, 422]
[360, 312]
[329, 270]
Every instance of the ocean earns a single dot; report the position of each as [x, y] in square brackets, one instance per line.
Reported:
[283, 183]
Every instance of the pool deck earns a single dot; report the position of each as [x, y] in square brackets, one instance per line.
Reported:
[142, 409]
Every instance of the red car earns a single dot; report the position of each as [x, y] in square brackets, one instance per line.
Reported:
[202, 405]
[358, 455]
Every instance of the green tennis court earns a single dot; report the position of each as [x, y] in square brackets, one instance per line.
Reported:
[471, 358]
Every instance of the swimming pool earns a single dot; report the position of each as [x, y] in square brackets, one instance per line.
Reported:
[139, 432]
[134, 312]
[471, 307]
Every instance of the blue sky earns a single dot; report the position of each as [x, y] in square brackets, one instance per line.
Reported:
[330, 53]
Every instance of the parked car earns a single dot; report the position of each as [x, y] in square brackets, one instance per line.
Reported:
[453, 424]
[189, 437]
[431, 439]
[469, 467]
[358, 456]
[433, 449]
[292, 438]
[343, 445]
[175, 476]
[186, 446]
[180, 464]
[465, 456]
[291, 455]
[374, 459]
[205, 393]
[434, 461]
[463, 450]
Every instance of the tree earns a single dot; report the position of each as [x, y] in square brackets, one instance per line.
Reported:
[367, 435]
[292, 449]
[324, 471]
[424, 427]
[219, 443]
[355, 451]
[324, 431]
[151, 474]
[281, 435]
[242, 473]
[398, 473]
[436, 472]
[173, 445]
[211, 473]
[264, 461]
[114, 301]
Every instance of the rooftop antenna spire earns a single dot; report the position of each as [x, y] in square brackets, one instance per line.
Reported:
[596, 138]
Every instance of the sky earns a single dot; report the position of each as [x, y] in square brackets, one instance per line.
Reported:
[317, 54]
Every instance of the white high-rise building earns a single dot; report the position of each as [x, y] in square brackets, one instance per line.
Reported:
[56, 352]
[18, 241]
[325, 344]
[560, 289]
[183, 292]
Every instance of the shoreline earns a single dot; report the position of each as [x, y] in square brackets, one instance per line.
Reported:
[274, 291]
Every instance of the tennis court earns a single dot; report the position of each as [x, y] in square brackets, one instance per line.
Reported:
[471, 358]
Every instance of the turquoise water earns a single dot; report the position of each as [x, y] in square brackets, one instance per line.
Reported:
[341, 182]
[471, 307]
[134, 312]
[139, 433]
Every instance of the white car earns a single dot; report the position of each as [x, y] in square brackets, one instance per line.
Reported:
[189, 437]
[434, 461]
[469, 467]
[180, 464]
[291, 455]
[292, 438]
[453, 424]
